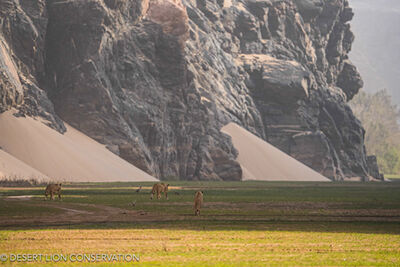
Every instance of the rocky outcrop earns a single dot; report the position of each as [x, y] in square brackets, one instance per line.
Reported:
[300, 79]
[23, 29]
[349, 80]
[156, 80]
[373, 168]
[171, 15]
[11, 93]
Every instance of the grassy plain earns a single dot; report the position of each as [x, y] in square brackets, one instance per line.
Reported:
[242, 223]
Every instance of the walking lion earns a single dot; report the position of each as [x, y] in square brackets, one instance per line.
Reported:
[198, 202]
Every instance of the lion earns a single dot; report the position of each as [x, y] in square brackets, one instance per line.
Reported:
[52, 189]
[159, 188]
[198, 202]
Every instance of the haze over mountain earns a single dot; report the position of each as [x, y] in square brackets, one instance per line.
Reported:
[376, 49]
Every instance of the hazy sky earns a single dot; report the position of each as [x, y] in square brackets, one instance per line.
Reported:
[376, 49]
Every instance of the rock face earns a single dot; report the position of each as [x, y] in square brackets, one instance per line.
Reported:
[155, 80]
[373, 168]
[22, 57]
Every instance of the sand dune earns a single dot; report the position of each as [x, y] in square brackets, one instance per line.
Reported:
[262, 161]
[11, 167]
[72, 156]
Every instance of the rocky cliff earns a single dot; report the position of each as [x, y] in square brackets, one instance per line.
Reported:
[155, 80]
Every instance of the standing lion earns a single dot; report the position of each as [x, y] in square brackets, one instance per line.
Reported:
[53, 189]
[198, 202]
[159, 188]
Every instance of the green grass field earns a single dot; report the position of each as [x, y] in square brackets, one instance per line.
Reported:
[392, 176]
[241, 223]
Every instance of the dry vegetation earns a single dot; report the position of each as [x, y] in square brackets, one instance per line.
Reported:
[18, 181]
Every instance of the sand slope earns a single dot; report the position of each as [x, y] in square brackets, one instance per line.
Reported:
[72, 156]
[11, 167]
[262, 161]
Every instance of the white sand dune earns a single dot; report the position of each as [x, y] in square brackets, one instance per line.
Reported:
[262, 161]
[11, 167]
[71, 157]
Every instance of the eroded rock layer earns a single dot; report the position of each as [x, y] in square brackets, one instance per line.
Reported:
[155, 80]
